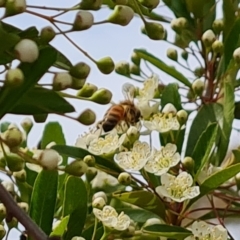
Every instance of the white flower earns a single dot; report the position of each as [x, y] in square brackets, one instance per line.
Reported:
[203, 231]
[169, 108]
[178, 188]
[163, 160]
[162, 122]
[110, 218]
[103, 179]
[107, 145]
[84, 141]
[147, 108]
[136, 158]
[150, 87]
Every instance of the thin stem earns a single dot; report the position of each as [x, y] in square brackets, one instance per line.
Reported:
[14, 210]
[95, 228]
[139, 11]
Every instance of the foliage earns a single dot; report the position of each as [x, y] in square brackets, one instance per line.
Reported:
[113, 185]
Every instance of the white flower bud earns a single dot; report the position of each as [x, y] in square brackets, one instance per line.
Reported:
[24, 206]
[87, 117]
[122, 68]
[47, 34]
[83, 20]
[14, 7]
[218, 25]
[152, 221]
[208, 38]
[27, 124]
[121, 15]
[178, 24]
[105, 65]
[78, 238]
[14, 77]
[98, 202]
[89, 160]
[217, 47]
[3, 212]
[169, 108]
[172, 54]
[62, 81]
[13, 137]
[20, 175]
[100, 194]
[9, 186]
[188, 164]
[198, 86]
[236, 55]
[101, 96]
[76, 168]
[27, 50]
[124, 178]
[2, 232]
[133, 134]
[182, 116]
[49, 159]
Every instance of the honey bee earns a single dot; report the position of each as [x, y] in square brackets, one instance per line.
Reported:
[124, 111]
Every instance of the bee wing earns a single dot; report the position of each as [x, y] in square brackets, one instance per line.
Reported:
[128, 91]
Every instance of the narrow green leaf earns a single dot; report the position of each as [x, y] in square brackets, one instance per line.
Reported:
[62, 62]
[170, 94]
[163, 66]
[81, 153]
[143, 199]
[163, 230]
[207, 114]
[204, 147]
[44, 199]
[40, 100]
[61, 228]
[32, 73]
[75, 205]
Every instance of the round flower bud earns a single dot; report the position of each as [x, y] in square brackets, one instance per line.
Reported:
[20, 175]
[91, 4]
[13, 137]
[184, 55]
[100, 194]
[198, 87]
[76, 168]
[13, 7]
[78, 238]
[61, 81]
[105, 65]
[152, 221]
[101, 96]
[172, 54]
[12, 223]
[169, 108]
[208, 38]
[218, 25]
[122, 68]
[3, 212]
[124, 178]
[87, 117]
[198, 72]
[47, 34]
[178, 24]
[89, 160]
[9, 186]
[27, 51]
[135, 59]
[188, 164]
[83, 21]
[98, 202]
[121, 15]
[133, 134]
[2, 232]
[236, 55]
[49, 159]
[14, 78]
[182, 117]
[87, 90]
[80, 70]
[77, 83]
[91, 173]
[24, 206]
[151, 4]
[14, 162]
[217, 47]
[135, 70]
[155, 31]
[27, 124]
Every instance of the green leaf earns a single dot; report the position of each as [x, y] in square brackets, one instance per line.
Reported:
[30, 33]
[217, 179]
[237, 110]
[62, 62]
[228, 116]
[4, 126]
[139, 215]
[61, 228]
[81, 153]
[32, 73]
[40, 100]
[204, 147]
[143, 199]
[44, 199]
[75, 205]
[25, 191]
[173, 232]
[163, 66]
[207, 114]
[171, 95]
